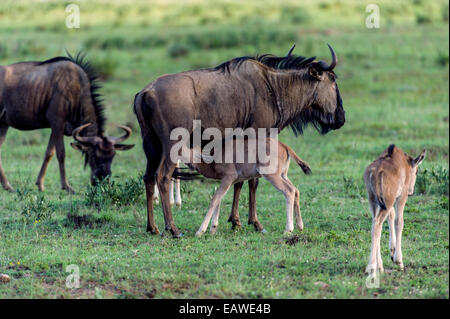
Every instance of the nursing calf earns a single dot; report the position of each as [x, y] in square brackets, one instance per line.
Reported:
[230, 173]
[389, 180]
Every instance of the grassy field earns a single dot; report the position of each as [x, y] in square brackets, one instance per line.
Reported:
[394, 83]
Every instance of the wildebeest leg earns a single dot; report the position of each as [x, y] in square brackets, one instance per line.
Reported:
[163, 179]
[215, 220]
[175, 196]
[3, 179]
[58, 138]
[289, 193]
[178, 189]
[398, 255]
[252, 218]
[234, 216]
[298, 214]
[215, 202]
[392, 236]
[150, 187]
[156, 195]
[375, 261]
[48, 156]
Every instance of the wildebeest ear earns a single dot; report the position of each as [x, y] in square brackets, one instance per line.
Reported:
[419, 159]
[79, 147]
[123, 147]
[316, 72]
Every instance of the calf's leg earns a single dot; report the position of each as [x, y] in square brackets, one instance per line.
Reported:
[252, 217]
[398, 255]
[215, 202]
[234, 216]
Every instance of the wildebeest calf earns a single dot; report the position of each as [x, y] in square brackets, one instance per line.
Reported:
[230, 173]
[389, 180]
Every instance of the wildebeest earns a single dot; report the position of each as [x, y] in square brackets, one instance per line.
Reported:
[258, 92]
[62, 94]
[233, 172]
[389, 180]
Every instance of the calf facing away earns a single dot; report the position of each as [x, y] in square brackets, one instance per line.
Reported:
[389, 180]
[231, 173]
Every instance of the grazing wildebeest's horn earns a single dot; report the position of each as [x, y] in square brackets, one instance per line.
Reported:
[325, 65]
[127, 134]
[290, 51]
[84, 139]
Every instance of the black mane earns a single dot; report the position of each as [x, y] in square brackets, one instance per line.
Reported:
[96, 97]
[292, 62]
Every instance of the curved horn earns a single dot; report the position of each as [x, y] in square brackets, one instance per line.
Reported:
[333, 58]
[328, 67]
[84, 139]
[123, 137]
[290, 51]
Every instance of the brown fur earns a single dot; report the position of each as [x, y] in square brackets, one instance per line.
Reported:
[262, 92]
[389, 180]
[60, 94]
[231, 173]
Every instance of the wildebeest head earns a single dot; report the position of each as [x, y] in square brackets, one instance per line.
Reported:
[326, 111]
[99, 150]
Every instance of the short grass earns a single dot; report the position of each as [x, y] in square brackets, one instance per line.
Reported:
[394, 83]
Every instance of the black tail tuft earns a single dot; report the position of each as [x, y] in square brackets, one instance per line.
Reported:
[306, 169]
[381, 203]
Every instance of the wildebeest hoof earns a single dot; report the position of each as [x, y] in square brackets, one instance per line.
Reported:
[199, 234]
[177, 235]
[8, 188]
[69, 189]
[153, 231]
[178, 205]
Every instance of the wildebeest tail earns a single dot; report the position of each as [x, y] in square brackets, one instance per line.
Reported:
[304, 166]
[150, 140]
[378, 186]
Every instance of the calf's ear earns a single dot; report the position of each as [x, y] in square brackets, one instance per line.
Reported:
[123, 147]
[419, 159]
[79, 147]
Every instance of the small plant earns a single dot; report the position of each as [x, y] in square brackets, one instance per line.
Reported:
[111, 192]
[36, 208]
[433, 181]
[105, 67]
[177, 49]
[442, 58]
[351, 187]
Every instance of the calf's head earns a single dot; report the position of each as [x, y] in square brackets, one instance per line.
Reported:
[99, 150]
[413, 166]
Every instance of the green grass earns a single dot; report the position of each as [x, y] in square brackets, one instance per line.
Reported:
[394, 83]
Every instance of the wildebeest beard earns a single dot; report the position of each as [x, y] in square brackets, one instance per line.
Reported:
[323, 122]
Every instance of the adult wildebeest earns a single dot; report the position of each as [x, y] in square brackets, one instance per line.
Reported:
[389, 180]
[257, 92]
[61, 94]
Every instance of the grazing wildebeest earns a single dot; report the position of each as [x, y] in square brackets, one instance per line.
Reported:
[61, 94]
[235, 171]
[389, 180]
[246, 92]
